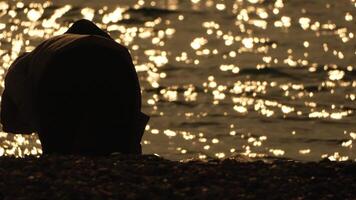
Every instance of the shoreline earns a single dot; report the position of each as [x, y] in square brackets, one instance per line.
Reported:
[151, 177]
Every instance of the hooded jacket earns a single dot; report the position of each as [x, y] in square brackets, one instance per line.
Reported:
[19, 105]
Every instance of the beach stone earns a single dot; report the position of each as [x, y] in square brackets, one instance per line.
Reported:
[137, 178]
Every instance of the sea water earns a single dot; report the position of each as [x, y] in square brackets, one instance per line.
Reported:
[258, 78]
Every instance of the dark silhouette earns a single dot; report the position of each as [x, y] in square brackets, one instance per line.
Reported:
[79, 91]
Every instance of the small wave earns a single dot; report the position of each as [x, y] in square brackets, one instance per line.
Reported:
[186, 104]
[314, 88]
[170, 67]
[332, 121]
[295, 118]
[330, 141]
[268, 71]
[197, 124]
[350, 75]
[152, 11]
[313, 140]
[179, 89]
[132, 21]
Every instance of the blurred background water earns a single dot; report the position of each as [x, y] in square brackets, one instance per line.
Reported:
[257, 78]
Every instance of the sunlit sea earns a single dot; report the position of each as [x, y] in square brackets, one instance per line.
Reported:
[252, 78]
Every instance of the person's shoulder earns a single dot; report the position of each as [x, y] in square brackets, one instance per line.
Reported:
[67, 41]
[18, 67]
[61, 41]
[103, 41]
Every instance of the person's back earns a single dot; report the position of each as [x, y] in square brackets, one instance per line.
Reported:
[87, 98]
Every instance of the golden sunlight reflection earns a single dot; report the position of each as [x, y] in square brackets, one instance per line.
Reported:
[114, 16]
[255, 78]
[88, 13]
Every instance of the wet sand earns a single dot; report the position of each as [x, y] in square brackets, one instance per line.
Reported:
[151, 177]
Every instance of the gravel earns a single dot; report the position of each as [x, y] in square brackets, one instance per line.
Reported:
[151, 177]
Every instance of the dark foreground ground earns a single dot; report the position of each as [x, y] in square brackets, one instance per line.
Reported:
[151, 177]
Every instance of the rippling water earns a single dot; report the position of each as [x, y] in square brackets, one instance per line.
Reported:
[219, 78]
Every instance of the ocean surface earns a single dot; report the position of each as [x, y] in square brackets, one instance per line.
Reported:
[257, 78]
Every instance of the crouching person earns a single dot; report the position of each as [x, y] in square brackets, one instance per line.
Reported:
[79, 91]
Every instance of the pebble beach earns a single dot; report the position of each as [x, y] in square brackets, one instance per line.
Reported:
[253, 77]
[152, 177]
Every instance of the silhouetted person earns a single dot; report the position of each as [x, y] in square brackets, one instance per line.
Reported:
[79, 91]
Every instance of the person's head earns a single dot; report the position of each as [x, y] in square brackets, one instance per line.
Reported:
[86, 27]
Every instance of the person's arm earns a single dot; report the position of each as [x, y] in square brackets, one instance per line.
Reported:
[13, 99]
